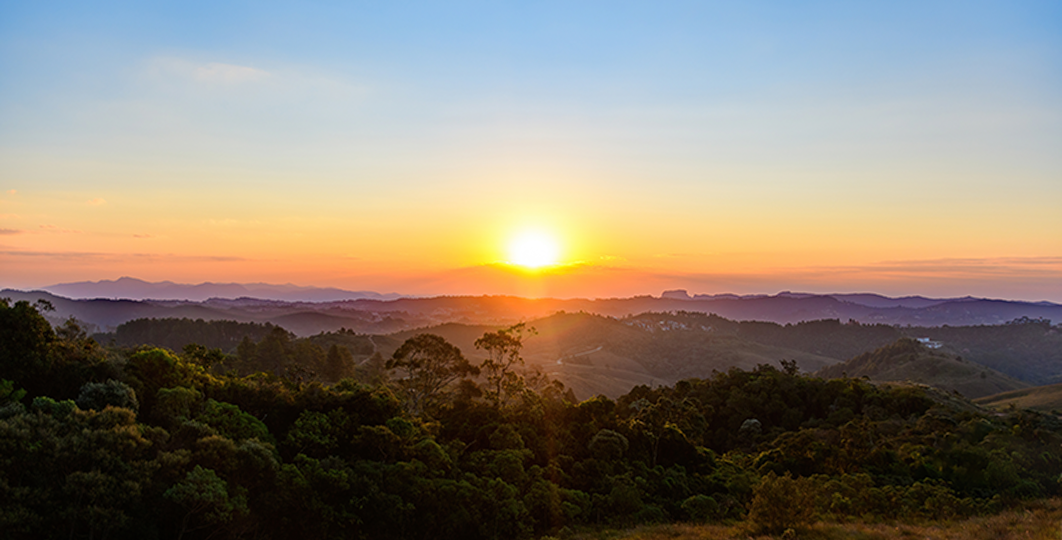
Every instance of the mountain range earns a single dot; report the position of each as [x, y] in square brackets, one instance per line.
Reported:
[609, 345]
[376, 313]
[128, 288]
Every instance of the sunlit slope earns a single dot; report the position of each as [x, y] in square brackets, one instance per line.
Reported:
[909, 360]
[594, 355]
[1045, 398]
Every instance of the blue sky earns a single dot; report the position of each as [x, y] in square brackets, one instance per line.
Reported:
[751, 138]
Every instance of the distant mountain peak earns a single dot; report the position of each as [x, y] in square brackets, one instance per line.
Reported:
[131, 288]
[677, 294]
[790, 294]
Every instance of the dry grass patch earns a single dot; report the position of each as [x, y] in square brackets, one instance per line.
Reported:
[1039, 520]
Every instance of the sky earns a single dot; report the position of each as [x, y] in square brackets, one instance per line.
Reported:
[746, 147]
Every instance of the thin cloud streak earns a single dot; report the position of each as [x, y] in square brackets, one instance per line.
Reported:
[209, 72]
[1030, 278]
[102, 256]
[58, 230]
[981, 267]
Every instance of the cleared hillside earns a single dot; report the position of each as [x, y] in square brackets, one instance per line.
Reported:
[1044, 398]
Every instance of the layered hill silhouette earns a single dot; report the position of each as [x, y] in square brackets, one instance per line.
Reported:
[128, 288]
[913, 361]
[383, 315]
[609, 345]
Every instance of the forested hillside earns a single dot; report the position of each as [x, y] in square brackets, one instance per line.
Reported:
[1026, 349]
[147, 443]
[175, 334]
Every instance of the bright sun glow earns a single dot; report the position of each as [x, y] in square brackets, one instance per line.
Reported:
[533, 249]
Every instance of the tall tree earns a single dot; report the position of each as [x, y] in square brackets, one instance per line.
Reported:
[275, 351]
[25, 344]
[503, 355]
[339, 363]
[427, 364]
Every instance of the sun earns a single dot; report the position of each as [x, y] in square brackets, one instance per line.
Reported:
[533, 249]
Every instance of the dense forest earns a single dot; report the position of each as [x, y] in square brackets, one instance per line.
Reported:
[281, 438]
[175, 334]
[1035, 341]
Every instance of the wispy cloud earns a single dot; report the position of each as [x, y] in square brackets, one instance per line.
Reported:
[208, 72]
[112, 257]
[231, 222]
[59, 230]
[11, 231]
[680, 255]
[290, 90]
[96, 202]
[1013, 267]
[228, 73]
[1029, 278]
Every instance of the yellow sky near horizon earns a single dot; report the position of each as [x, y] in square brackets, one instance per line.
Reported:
[611, 249]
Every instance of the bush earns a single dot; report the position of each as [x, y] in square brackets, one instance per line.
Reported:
[98, 396]
[49, 406]
[608, 445]
[700, 508]
[782, 502]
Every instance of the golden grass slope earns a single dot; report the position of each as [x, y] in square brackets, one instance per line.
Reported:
[1036, 520]
[1044, 398]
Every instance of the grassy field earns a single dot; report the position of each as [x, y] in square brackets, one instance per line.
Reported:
[1040, 520]
[1044, 398]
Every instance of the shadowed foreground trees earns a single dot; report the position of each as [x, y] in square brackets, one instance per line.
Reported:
[430, 454]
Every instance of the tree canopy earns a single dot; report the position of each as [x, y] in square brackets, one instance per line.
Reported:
[150, 443]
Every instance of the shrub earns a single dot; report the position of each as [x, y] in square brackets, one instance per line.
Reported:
[98, 396]
[608, 445]
[700, 508]
[782, 502]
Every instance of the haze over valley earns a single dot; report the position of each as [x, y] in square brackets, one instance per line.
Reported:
[603, 346]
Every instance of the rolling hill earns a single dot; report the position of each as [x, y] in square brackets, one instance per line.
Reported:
[608, 346]
[592, 354]
[909, 360]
